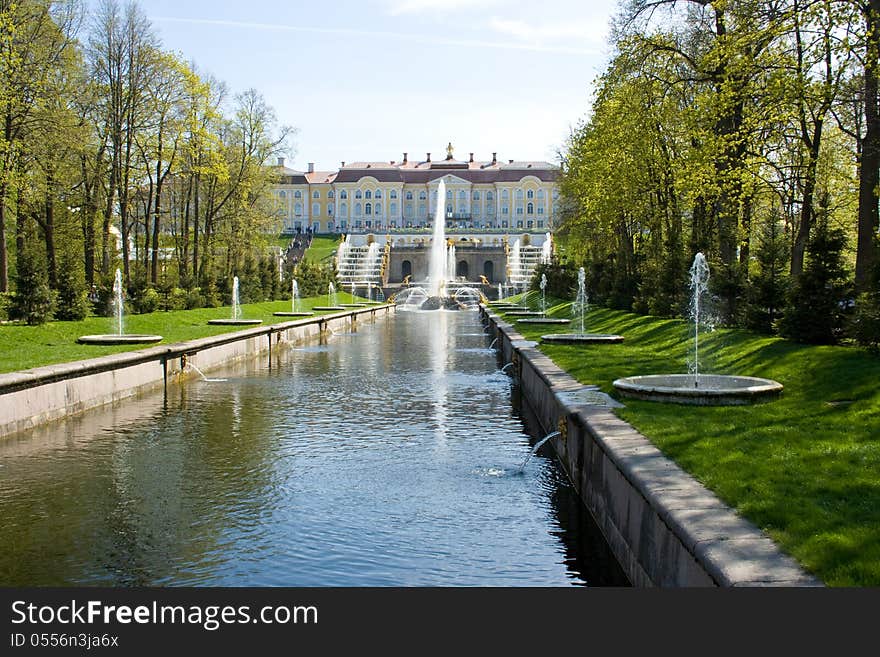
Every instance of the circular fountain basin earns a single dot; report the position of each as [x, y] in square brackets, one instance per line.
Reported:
[235, 322]
[353, 305]
[327, 308]
[124, 338]
[524, 313]
[711, 389]
[543, 320]
[583, 338]
[298, 313]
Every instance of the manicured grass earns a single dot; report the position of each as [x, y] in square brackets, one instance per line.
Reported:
[23, 347]
[322, 247]
[805, 468]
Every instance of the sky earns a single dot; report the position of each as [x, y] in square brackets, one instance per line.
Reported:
[369, 80]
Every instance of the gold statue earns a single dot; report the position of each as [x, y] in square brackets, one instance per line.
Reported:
[484, 280]
[449, 151]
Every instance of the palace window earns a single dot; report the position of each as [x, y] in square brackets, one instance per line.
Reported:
[540, 194]
[282, 194]
[368, 194]
[393, 194]
[490, 209]
[343, 209]
[343, 194]
[422, 210]
[331, 194]
[368, 208]
[519, 195]
[378, 208]
[540, 209]
[476, 196]
[357, 209]
[408, 209]
[422, 196]
[462, 195]
[329, 209]
[297, 194]
[378, 194]
[505, 210]
[316, 194]
[490, 196]
[298, 209]
[504, 195]
[530, 194]
[316, 209]
[448, 194]
[357, 193]
[392, 209]
[530, 208]
[540, 223]
[409, 196]
[519, 209]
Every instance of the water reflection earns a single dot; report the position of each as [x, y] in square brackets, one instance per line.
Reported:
[383, 458]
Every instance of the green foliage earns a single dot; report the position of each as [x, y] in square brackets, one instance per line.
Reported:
[33, 301]
[313, 278]
[817, 302]
[561, 279]
[865, 325]
[73, 303]
[769, 283]
[144, 299]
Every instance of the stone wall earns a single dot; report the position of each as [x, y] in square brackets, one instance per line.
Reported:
[33, 397]
[664, 527]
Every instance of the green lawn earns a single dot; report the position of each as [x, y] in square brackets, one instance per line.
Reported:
[805, 468]
[322, 247]
[23, 347]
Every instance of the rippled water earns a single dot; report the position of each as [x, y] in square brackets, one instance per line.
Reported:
[384, 457]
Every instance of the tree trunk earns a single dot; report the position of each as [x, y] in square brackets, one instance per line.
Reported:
[4, 265]
[869, 165]
[48, 227]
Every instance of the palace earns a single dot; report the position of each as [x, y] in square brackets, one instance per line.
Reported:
[382, 197]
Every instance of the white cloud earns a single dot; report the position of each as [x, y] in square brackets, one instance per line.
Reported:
[398, 7]
[591, 33]
[378, 34]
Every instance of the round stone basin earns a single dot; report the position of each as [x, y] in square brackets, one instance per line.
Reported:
[543, 320]
[289, 313]
[124, 338]
[353, 305]
[524, 313]
[327, 308]
[583, 338]
[710, 390]
[235, 322]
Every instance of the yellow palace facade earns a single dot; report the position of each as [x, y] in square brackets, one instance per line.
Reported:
[514, 195]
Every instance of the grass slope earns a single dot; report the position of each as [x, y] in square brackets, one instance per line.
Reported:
[805, 468]
[322, 247]
[23, 347]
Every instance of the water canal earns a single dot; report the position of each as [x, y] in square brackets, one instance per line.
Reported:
[384, 457]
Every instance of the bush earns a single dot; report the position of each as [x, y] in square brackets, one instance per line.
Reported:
[313, 278]
[145, 300]
[33, 301]
[865, 325]
[561, 279]
[195, 298]
[818, 299]
[73, 302]
[176, 299]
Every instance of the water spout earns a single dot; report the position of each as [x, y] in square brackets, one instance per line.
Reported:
[118, 302]
[202, 374]
[699, 284]
[506, 366]
[331, 295]
[236, 306]
[537, 447]
[543, 294]
[294, 296]
[493, 343]
[581, 302]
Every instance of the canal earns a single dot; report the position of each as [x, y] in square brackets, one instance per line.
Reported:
[385, 457]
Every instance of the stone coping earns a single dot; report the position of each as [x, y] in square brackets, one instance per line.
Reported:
[12, 381]
[730, 549]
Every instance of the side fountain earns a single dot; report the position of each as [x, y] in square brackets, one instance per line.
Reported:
[543, 319]
[236, 319]
[579, 309]
[353, 304]
[120, 337]
[294, 304]
[331, 300]
[694, 387]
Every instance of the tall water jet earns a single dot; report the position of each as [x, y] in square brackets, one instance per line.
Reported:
[694, 387]
[437, 261]
[450, 263]
[236, 306]
[120, 336]
[331, 295]
[236, 310]
[579, 310]
[543, 293]
[699, 285]
[118, 302]
[294, 303]
[581, 301]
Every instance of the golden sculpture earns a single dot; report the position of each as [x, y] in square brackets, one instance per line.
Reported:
[449, 151]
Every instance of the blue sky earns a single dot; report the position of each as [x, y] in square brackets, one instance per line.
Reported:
[369, 80]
